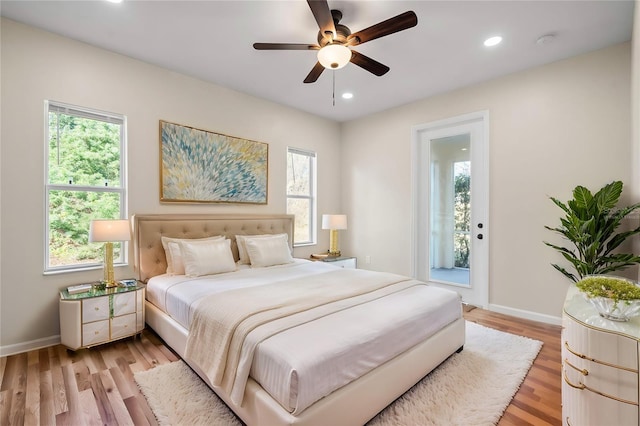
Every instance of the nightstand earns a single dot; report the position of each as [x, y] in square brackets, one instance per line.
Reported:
[100, 316]
[340, 261]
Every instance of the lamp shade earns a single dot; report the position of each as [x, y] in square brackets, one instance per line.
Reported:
[334, 221]
[109, 230]
[334, 56]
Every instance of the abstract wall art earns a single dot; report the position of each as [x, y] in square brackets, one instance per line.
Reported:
[198, 166]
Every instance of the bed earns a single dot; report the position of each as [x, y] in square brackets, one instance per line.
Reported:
[342, 361]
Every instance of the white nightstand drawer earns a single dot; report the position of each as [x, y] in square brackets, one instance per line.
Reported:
[95, 332]
[124, 303]
[345, 263]
[95, 309]
[123, 326]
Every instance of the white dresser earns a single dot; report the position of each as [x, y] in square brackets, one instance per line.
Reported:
[599, 366]
[100, 316]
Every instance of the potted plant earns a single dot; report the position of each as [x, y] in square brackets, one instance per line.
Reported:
[589, 224]
[614, 298]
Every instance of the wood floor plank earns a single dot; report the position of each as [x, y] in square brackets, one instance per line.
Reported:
[57, 382]
[47, 406]
[5, 406]
[102, 400]
[136, 412]
[32, 399]
[72, 395]
[89, 409]
[96, 385]
[115, 399]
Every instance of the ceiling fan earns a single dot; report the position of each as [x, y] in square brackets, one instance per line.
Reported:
[335, 40]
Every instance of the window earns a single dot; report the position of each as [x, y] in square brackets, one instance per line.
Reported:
[301, 194]
[85, 180]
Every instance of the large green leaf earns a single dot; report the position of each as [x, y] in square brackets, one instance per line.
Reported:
[581, 198]
[607, 197]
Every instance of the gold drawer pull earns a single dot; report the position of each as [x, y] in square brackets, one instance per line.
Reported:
[96, 308]
[582, 386]
[584, 372]
[96, 332]
[583, 356]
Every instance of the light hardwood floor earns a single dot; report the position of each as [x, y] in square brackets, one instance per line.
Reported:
[54, 386]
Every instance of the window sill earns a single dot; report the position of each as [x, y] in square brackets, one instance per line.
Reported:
[81, 269]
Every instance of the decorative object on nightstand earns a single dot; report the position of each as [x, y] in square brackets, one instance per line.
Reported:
[334, 223]
[98, 316]
[108, 231]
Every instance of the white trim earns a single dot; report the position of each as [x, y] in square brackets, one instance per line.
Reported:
[122, 188]
[480, 213]
[529, 315]
[31, 345]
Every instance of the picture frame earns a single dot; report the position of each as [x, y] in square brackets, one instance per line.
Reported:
[200, 166]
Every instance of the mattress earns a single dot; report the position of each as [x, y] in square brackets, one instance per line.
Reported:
[305, 363]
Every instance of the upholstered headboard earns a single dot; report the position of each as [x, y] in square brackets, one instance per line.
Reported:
[149, 257]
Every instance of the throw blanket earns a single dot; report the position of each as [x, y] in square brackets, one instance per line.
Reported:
[222, 322]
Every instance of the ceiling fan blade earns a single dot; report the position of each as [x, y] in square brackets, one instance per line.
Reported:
[368, 64]
[392, 25]
[285, 46]
[322, 13]
[315, 73]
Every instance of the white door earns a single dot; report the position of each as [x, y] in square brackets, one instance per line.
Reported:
[451, 199]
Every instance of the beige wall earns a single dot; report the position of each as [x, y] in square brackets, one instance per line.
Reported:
[551, 128]
[635, 112]
[37, 66]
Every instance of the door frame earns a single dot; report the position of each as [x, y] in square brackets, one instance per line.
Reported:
[420, 181]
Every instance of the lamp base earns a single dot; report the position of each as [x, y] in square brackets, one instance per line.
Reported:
[333, 243]
[108, 266]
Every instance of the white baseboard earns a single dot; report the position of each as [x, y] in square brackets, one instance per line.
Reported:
[520, 313]
[29, 346]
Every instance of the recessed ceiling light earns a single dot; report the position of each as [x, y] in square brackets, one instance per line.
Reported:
[114, 1]
[347, 95]
[492, 41]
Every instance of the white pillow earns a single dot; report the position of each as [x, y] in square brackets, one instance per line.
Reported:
[207, 257]
[175, 252]
[171, 268]
[268, 251]
[242, 248]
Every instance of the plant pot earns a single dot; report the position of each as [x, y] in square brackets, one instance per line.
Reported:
[615, 298]
[623, 310]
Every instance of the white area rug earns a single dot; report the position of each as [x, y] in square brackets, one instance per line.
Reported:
[473, 387]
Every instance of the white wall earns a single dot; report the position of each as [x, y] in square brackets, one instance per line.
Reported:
[551, 128]
[38, 66]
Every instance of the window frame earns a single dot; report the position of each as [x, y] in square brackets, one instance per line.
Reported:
[98, 115]
[312, 197]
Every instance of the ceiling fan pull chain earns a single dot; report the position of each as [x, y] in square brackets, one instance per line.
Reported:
[334, 88]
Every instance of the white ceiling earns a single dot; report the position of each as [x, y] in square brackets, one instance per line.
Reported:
[212, 40]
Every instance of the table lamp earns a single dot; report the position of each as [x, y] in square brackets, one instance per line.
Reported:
[334, 222]
[108, 231]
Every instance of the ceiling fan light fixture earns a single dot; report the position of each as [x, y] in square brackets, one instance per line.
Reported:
[334, 56]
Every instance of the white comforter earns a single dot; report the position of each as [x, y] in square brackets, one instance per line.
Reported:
[302, 364]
